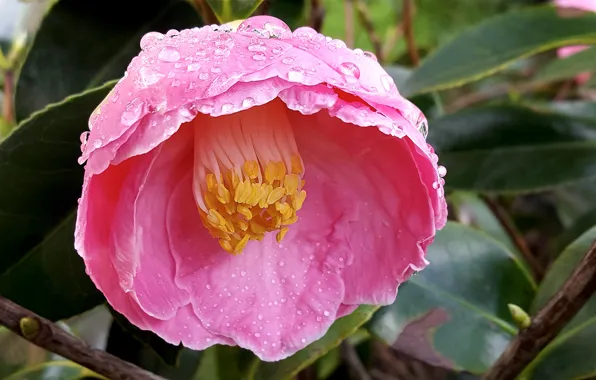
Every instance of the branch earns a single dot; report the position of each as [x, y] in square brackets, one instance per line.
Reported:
[367, 23]
[46, 334]
[408, 15]
[518, 241]
[349, 22]
[317, 15]
[549, 321]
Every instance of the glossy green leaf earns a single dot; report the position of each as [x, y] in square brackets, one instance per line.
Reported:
[494, 44]
[167, 352]
[572, 355]
[82, 44]
[454, 313]
[340, 330]
[512, 149]
[230, 10]
[569, 67]
[41, 182]
[63, 370]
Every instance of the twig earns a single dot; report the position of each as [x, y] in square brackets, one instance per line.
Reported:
[408, 15]
[206, 12]
[8, 103]
[317, 15]
[349, 22]
[516, 238]
[494, 92]
[367, 23]
[46, 334]
[549, 321]
[348, 352]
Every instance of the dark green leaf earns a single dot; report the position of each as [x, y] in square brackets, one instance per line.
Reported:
[41, 182]
[454, 313]
[224, 362]
[572, 355]
[340, 330]
[82, 44]
[165, 351]
[512, 149]
[63, 370]
[291, 12]
[496, 43]
[569, 67]
[230, 10]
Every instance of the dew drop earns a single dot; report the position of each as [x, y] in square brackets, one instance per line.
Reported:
[423, 128]
[260, 317]
[208, 286]
[442, 171]
[259, 57]
[248, 102]
[193, 66]
[349, 70]
[387, 82]
[97, 143]
[169, 54]
[203, 76]
[227, 108]
[326, 313]
[436, 185]
[150, 39]
[287, 60]
[215, 69]
[303, 340]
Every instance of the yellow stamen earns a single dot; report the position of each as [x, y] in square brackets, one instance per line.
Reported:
[248, 177]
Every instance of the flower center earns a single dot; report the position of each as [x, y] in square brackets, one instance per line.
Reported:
[247, 176]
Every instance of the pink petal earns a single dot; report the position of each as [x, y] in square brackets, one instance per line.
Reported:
[273, 299]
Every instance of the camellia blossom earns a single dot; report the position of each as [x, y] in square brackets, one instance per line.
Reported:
[586, 5]
[248, 187]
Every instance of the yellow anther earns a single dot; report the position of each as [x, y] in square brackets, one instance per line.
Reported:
[291, 183]
[215, 218]
[257, 228]
[223, 195]
[275, 195]
[251, 169]
[281, 234]
[244, 211]
[211, 181]
[242, 225]
[226, 246]
[241, 244]
[298, 200]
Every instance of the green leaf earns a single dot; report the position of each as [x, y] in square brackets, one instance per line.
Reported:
[41, 182]
[63, 370]
[291, 12]
[340, 330]
[572, 355]
[568, 67]
[82, 44]
[231, 10]
[224, 362]
[461, 296]
[494, 44]
[164, 350]
[509, 149]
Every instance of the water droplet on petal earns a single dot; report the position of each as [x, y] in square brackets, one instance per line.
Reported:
[215, 69]
[442, 171]
[370, 55]
[169, 54]
[193, 66]
[97, 143]
[422, 127]
[387, 82]
[227, 108]
[266, 27]
[296, 74]
[248, 102]
[260, 317]
[259, 57]
[150, 39]
[350, 71]
[326, 313]
[203, 76]
[287, 60]
[172, 33]
[132, 112]
[436, 185]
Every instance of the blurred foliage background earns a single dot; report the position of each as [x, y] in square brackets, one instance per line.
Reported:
[510, 120]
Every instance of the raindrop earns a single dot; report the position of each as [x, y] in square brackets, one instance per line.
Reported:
[350, 71]
[227, 108]
[257, 47]
[296, 74]
[215, 69]
[257, 334]
[387, 82]
[193, 66]
[259, 57]
[287, 60]
[246, 103]
[132, 112]
[442, 171]
[260, 317]
[436, 185]
[150, 39]
[326, 313]
[303, 340]
[243, 273]
[208, 286]
[97, 143]
[169, 54]
[203, 76]
[423, 128]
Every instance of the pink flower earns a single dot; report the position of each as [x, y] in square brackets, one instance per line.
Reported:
[250, 187]
[586, 5]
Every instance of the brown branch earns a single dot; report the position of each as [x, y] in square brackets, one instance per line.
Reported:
[516, 238]
[408, 15]
[46, 334]
[317, 15]
[549, 321]
[8, 104]
[349, 22]
[206, 12]
[367, 23]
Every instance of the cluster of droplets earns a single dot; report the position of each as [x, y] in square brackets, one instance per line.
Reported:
[441, 171]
